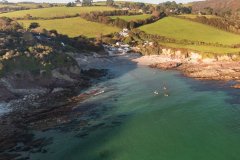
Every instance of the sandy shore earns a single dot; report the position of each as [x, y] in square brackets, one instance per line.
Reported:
[153, 59]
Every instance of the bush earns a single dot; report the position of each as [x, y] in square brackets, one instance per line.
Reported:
[110, 2]
[7, 24]
[33, 25]
[70, 4]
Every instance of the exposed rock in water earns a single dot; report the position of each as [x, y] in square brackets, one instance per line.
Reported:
[237, 86]
[196, 67]
[166, 65]
[213, 71]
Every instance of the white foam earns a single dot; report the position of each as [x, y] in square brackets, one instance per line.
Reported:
[4, 108]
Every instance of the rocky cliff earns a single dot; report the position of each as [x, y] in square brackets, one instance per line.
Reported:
[36, 63]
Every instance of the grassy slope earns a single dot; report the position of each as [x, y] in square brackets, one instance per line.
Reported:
[183, 29]
[32, 5]
[132, 18]
[192, 16]
[27, 5]
[56, 11]
[73, 26]
[203, 48]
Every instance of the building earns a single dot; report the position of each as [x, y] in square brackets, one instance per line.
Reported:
[78, 3]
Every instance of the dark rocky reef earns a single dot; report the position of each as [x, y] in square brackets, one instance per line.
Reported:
[41, 82]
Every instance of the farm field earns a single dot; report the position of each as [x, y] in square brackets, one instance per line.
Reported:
[180, 29]
[192, 16]
[73, 26]
[133, 17]
[33, 5]
[26, 5]
[55, 11]
[203, 48]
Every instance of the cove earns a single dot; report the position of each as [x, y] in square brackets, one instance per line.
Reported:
[130, 122]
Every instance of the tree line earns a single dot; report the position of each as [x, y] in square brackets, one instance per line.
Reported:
[104, 17]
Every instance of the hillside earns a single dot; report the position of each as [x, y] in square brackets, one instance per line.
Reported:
[192, 35]
[184, 29]
[55, 11]
[30, 60]
[58, 18]
[133, 18]
[10, 7]
[73, 27]
[234, 5]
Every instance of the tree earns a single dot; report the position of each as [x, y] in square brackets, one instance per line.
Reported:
[208, 10]
[228, 13]
[27, 16]
[4, 1]
[87, 2]
[39, 6]
[33, 25]
[110, 2]
[186, 10]
[70, 4]
[132, 25]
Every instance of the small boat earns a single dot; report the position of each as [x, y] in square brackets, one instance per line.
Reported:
[99, 93]
[166, 95]
[156, 92]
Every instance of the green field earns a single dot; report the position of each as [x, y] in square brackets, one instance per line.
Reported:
[192, 16]
[55, 11]
[73, 26]
[34, 5]
[100, 3]
[27, 5]
[180, 29]
[5, 5]
[203, 48]
[132, 18]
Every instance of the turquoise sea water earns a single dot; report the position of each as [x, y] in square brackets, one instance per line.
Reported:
[195, 122]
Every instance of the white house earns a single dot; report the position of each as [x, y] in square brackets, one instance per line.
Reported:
[78, 3]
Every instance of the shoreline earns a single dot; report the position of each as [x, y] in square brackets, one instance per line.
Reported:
[64, 104]
[51, 110]
[217, 70]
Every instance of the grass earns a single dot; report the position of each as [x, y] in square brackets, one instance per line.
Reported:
[27, 5]
[32, 5]
[183, 29]
[132, 18]
[55, 11]
[100, 3]
[73, 27]
[203, 48]
[192, 16]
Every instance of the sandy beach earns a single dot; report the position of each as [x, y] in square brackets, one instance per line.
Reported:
[153, 59]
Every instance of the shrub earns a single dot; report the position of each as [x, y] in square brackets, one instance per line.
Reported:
[33, 25]
[7, 24]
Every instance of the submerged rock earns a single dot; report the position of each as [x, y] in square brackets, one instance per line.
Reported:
[166, 65]
[237, 86]
[94, 73]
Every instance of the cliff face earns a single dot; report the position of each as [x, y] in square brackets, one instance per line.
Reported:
[32, 63]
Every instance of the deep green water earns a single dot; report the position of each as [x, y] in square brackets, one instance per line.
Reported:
[195, 122]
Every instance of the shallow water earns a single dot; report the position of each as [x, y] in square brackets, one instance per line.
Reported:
[132, 123]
